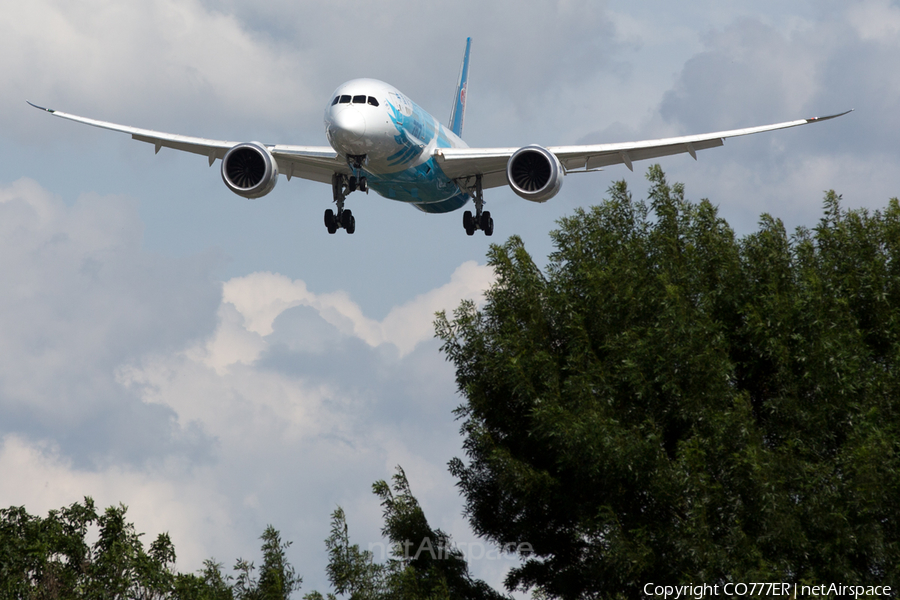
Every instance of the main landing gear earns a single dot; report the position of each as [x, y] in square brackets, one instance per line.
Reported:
[341, 186]
[482, 219]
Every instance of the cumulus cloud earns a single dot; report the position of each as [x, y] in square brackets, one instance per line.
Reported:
[876, 20]
[832, 64]
[147, 62]
[306, 401]
[209, 409]
[79, 298]
[240, 68]
[273, 387]
[260, 297]
[758, 68]
[40, 477]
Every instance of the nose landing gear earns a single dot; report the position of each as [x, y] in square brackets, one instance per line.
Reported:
[341, 186]
[357, 181]
[361, 184]
[482, 219]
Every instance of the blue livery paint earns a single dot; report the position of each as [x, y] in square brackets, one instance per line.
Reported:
[424, 186]
[401, 151]
[398, 139]
[420, 182]
[458, 114]
[414, 132]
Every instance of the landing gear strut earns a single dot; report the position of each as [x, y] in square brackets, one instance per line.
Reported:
[357, 181]
[341, 186]
[343, 219]
[482, 219]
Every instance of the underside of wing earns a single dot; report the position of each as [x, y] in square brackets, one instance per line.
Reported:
[491, 163]
[463, 163]
[316, 163]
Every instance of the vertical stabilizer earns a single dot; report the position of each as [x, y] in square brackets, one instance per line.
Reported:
[458, 114]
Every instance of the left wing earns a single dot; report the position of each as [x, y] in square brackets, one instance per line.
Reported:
[317, 163]
[491, 163]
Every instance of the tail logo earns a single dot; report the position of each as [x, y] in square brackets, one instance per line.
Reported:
[462, 103]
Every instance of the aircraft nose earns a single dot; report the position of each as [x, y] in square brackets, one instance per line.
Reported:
[348, 126]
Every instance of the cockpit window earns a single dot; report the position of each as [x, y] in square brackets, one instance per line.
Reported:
[359, 99]
[373, 101]
[335, 101]
[345, 99]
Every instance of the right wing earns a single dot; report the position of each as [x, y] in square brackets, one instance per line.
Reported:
[317, 163]
[462, 163]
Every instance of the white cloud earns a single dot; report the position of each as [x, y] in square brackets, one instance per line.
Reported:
[876, 20]
[261, 297]
[209, 409]
[142, 60]
[39, 477]
[277, 394]
[289, 429]
[79, 298]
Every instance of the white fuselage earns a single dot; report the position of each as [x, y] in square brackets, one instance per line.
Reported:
[367, 117]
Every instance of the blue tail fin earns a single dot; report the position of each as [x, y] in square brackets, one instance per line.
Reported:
[458, 115]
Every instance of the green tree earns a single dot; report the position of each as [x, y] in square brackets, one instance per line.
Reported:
[49, 558]
[667, 403]
[424, 564]
[209, 584]
[277, 577]
[44, 558]
[121, 568]
[352, 572]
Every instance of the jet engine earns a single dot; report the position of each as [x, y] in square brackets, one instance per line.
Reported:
[534, 173]
[250, 170]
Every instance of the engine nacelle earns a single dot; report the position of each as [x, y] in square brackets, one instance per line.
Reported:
[534, 173]
[250, 170]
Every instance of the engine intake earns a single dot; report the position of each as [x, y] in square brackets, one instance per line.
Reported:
[250, 170]
[534, 173]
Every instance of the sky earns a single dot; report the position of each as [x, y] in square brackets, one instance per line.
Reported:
[218, 364]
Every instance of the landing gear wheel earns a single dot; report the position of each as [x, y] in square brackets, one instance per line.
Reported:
[482, 219]
[351, 226]
[487, 223]
[330, 221]
[346, 220]
[351, 183]
[469, 222]
[363, 184]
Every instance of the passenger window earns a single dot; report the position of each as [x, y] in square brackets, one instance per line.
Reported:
[359, 99]
[335, 101]
[373, 101]
[345, 99]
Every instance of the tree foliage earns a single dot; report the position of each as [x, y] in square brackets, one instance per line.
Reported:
[49, 558]
[424, 564]
[668, 403]
[277, 577]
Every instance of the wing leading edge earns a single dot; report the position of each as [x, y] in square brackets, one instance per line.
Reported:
[317, 163]
[460, 163]
[320, 163]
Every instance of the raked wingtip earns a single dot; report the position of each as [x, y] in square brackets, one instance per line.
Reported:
[816, 119]
[30, 103]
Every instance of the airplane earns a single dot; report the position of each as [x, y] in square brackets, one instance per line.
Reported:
[381, 140]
